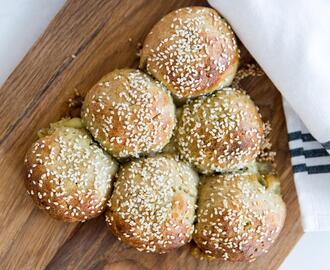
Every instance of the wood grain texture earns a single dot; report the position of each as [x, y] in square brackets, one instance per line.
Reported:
[84, 41]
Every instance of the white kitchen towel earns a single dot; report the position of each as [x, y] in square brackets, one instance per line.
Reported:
[311, 168]
[290, 39]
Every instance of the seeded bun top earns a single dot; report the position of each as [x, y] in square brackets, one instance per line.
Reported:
[129, 114]
[152, 207]
[239, 215]
[68, 175]
[192, 51]
[220, 132]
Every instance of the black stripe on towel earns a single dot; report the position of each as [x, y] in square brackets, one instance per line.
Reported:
[318, 169]
[309, 153]
[321, 152]
[299, 168]
[306, 137]
[297, 152]
[326, 145]
[292, 136]
[311, 169]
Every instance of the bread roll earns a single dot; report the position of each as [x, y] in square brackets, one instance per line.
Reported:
[239, 215]
[152, 207]
[129, 114]
[68, 175]
[192, 51]
[220, 132]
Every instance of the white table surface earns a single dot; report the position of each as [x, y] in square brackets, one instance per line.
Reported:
[22, 22]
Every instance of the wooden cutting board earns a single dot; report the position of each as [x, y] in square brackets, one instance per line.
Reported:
[87, 39]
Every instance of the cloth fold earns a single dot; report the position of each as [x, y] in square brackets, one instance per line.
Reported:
[290, 40]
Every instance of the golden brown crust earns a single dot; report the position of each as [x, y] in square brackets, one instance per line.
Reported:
[129, 114]
[68, 175]
[153, 204]
[220, 132]
[192, 51]
[239, 215]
